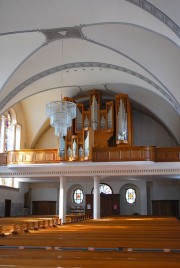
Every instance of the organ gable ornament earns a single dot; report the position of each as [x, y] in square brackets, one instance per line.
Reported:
[99, 123]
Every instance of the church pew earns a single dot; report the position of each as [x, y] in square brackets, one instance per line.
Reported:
[113, 241]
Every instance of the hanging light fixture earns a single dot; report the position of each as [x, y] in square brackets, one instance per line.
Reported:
[61, 114]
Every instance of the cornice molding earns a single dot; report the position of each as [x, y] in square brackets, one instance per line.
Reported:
[91, 169]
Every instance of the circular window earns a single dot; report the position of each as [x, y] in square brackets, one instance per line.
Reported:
[130, 195]
[78, 196]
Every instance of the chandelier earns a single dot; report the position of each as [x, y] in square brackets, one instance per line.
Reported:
[61, 114]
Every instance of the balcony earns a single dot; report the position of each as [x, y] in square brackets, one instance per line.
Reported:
[108, 154]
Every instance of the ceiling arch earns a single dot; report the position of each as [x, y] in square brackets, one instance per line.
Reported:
[125, 45]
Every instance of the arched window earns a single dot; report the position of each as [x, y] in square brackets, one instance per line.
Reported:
[10, 132]
[9, 182]
[78, 196]
[130, 195]
[104, 189]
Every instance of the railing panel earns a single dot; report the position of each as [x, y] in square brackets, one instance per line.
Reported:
[168, 154]
[104, 154]
[3, 159]
[126, 153]
[34, 156]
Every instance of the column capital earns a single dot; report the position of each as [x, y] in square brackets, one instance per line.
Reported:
[62, 177]
[97, 178]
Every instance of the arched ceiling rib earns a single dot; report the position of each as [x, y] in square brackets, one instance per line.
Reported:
[140, 58]
[159, 14]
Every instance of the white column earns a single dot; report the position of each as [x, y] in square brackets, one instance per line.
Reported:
[2, 143]
[62, 200]
[96, 199]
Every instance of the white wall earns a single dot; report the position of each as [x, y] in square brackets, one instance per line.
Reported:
[50, 192]
[159, 190]
[17, 199]
[149, 132]
[44, 191]
[165, 190]
[48, 140]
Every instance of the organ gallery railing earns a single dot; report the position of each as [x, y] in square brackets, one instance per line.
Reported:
[130, 153]
[110, 154]
[167, 154]
[36, 156]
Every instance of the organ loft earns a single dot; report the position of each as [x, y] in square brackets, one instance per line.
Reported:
[100, 122]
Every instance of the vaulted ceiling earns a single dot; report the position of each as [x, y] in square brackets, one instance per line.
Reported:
[68, 47]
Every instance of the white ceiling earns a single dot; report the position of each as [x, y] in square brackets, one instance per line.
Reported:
[71, 46]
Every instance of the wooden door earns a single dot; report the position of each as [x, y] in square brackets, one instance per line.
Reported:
[165, 208]
[115, 204]
[7, 211]
[44, 207]
[105, 205]
[109, 205]
[89, 205]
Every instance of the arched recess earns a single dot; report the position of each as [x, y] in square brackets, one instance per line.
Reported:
[44, 128]
[129, 208]
[10, 131]
[72, 207]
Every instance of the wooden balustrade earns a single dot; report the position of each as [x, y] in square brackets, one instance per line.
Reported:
[104, 154]
[3, 159]
[124, 153]
[34, 156]
[166, 154]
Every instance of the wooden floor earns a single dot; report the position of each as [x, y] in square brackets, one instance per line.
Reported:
[111, 242]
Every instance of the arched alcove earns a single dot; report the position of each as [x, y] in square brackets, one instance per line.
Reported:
[72, 205]
[130, 200]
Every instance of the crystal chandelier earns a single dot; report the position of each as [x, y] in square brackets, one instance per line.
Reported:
[61, 114]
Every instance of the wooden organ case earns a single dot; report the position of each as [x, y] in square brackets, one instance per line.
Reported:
[95, 125]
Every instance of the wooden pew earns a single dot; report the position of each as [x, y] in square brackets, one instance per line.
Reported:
[109, 242]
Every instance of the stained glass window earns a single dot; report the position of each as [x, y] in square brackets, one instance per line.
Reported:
[9, 139]
[78, 196]
[104, 189]
[130, 195]
[10, 132]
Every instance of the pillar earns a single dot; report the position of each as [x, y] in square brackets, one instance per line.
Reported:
[96, 199]
[62, 200]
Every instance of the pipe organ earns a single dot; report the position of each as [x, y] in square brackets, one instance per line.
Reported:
[98, 124]
[123, 120]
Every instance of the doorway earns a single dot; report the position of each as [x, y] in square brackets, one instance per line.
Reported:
[109, 205]
[44, 207]
[165, 208]
[7, 210]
